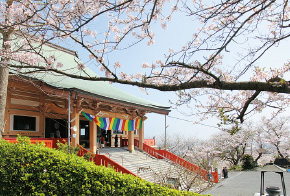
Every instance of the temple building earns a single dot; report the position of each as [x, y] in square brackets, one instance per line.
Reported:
[40, 105]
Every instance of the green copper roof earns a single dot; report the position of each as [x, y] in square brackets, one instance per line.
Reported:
[100, 89]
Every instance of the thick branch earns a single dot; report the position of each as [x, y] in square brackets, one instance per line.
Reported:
[222, 85]
[252, 98]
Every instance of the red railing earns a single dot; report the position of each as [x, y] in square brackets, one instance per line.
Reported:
[124, 142]
[49, 142]
[105, 161]
[184, 163]
[136, 142]
[152, 151]
[55, 140]
[150, 142]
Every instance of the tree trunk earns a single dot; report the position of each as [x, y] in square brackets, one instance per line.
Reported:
[256, 160]
[279, 152]
[4, 73]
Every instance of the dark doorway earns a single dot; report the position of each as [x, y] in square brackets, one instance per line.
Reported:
[107, 135]
[85, 133]
[99, 135]
[56, 128]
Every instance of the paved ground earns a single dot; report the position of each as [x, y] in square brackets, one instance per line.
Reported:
[247, 183]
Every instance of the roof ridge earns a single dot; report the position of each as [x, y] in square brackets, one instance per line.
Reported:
[50, 44]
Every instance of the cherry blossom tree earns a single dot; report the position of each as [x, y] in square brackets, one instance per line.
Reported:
[200, 68]
[267, 138]
[176, 143]
[264, 139]
[27, 26]
[231, 147]
[257, 143]
[234, 36]
[270, 138]
[203, 153]
[197, 151]
[277, 133]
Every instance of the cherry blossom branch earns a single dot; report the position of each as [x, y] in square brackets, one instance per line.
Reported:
[184, 65]
[95, 56]
[246, 105]
[222, 85]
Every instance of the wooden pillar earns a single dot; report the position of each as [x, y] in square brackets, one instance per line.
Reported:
[75, 135]
[112, 139]
[42, 125]
[119, 141]
[7, 127]
[41, 117]
[131, 141]
[141, 136]
[93, 137]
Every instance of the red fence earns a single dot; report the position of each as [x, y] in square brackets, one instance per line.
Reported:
[61, 140]
[136, 142]
[124, 142]
[105, 161]
[49, 142]
[184, 163]
[150, 142]
[151, 151]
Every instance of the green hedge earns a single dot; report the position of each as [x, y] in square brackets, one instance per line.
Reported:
[36, 170]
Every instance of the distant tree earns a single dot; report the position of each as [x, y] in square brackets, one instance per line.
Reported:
[268, 136]
[277, 133]
[256, 142]
[231, 147]
[203, 153]
[197, 151]
[175, 143]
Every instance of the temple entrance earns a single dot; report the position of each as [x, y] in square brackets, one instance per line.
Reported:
[84, 133]
[56, 128]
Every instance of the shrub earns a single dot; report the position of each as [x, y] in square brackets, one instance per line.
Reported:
[282, 162]
[67, 149]
[36, 170]
[235, 168]
[248, 161]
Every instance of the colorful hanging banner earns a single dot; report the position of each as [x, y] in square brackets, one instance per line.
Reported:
[115, 123]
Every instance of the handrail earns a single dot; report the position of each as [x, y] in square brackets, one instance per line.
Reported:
[124, 142]
[105, 161]
[136, 142]
[151, 151]
[126, 160]
[188, 165]
[109, 155]
[150, 142]
[174, 163]
[160, 154]
[180, 166]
